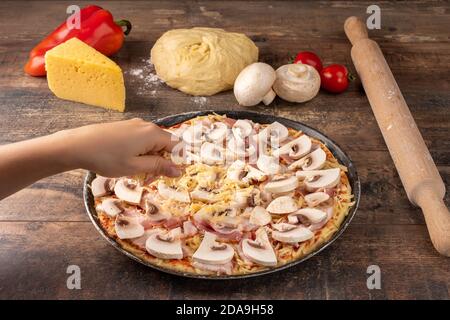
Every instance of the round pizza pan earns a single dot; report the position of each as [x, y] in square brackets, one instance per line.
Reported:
[256, 117]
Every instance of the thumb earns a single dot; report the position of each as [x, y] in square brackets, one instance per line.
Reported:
[156, 166]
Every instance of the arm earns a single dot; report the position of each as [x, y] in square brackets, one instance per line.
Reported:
[110, 149]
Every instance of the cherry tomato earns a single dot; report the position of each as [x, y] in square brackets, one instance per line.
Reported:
[307, 57]
[334, 78]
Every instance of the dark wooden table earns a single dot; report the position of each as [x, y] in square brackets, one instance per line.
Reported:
[44, 228]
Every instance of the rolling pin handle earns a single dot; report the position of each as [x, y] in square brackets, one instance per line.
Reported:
[437, 218]
[355, 30]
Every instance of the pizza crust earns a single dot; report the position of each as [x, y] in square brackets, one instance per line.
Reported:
[196, 174]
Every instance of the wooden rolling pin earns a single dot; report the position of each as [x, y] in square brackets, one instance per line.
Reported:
[419, 175]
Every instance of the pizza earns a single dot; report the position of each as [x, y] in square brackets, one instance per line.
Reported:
[251, 197]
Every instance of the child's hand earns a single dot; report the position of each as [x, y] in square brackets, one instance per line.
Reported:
[120, 148]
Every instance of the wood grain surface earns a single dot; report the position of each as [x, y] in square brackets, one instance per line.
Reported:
[44, 228]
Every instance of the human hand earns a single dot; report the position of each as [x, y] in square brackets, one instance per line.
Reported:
[120, 148]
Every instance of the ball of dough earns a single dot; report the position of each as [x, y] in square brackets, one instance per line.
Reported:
[202, 61]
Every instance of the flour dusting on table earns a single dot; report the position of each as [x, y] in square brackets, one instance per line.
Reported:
[148, 82]
[146, 77]
[200, 101]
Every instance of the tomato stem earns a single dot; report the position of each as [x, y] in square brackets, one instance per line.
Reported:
[291, 58]
[351, 77]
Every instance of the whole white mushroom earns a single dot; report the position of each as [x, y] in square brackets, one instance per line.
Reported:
[254, 84]
[297, 82]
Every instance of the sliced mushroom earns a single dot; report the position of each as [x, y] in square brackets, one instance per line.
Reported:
[230, 156]
[254, 199]
[260, 250]
[179, 155]
[240, 199]
[111, 207]
[269, 164]
[254, 84]
[242, 129]
[274, 131]
[236, 171]
[293, 219]
[313, 161]
[140, 241]
[265, 196]
[259, 216]
[285, 184]
[225, 224]
[180, 130]
[101, 186]
[218, 213]
[211, 153]
[204, 195]
[329, 210]
[272, 136]
[254, 175]
[282, 205]
[217, 132]
[316, 179]
[192, 158]
[241, 148]
[283, 227]
[295, 235]
[307, 216]
[128, 227]
[195, 134]
[153, 212]
[212, 252]
[165, 245]
[316, 198]
[296, 148]
[206, 178]
[183, 153]
[172, 193]
[128, 191]
[288, 194]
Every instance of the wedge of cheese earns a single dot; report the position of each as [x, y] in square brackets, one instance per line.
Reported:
[78, 72]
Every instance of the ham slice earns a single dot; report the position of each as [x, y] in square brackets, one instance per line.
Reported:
[287, 159]
[189, 229]
[242, 255]
[229, 121]
[247, 226]
[133, 212]
[330, 191]
[223, 233]
[226, 268]
[202, 224]
[227, 233]
[148, 224]
[143, 219]
[173, 222]
[140, 241]
[187, 251]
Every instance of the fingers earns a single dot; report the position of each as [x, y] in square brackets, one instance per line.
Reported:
[156, 138]
[164, 140]
[155, 165]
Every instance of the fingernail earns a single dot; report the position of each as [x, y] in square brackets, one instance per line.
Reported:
[173, 172]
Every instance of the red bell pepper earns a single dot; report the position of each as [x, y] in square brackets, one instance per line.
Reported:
[97, 28]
